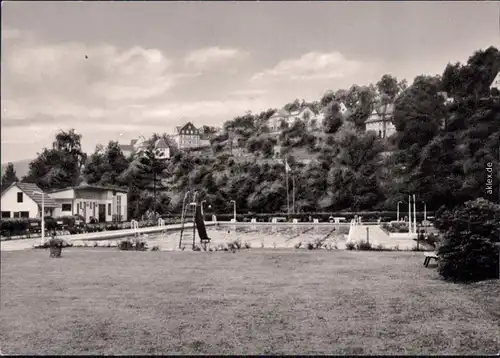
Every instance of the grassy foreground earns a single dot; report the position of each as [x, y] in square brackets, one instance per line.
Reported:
[100, 301]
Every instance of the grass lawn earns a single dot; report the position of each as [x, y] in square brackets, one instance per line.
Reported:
[101, 301]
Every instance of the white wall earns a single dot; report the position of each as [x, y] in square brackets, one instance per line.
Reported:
[65, 194]
[379, 126]
[59, 212]
[85, 206]
[9, 203]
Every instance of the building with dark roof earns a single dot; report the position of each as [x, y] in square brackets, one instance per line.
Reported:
[380, 120]
[24, 200]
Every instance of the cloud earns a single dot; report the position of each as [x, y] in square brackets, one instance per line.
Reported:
[101, 73]
[249, 92]
[206, 58]
[47, 82]
[310, 66]
[10, 34]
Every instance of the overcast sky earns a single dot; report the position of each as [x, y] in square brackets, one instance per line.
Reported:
[153, 65]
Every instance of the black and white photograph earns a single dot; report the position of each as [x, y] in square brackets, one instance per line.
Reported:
[250, 178]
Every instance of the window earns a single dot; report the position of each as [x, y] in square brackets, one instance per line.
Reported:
[19, 197]
[5, 214]
[78, 207]
[380, 134]
[25, 214]
[66, 207]
[119, 205]
[17, 214]
[109, 209]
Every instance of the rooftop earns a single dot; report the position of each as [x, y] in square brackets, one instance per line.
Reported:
[30, 189]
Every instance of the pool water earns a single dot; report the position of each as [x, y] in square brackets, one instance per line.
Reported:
[256, 236]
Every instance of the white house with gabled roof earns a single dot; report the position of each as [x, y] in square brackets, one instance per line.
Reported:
[380, 121]
[24, 200]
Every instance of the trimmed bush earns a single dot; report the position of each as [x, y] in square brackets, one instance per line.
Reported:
[471, 242]
[132, 245]
[350, 245]
[364, 246]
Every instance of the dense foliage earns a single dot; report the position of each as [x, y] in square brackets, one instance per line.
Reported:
[471, 246]
[439, 152]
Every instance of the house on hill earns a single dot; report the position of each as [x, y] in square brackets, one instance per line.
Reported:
[380, 121]
[135, 146]
[189, 137]
[105, 204]
[495, 85]
[283, 116]
[24, 200]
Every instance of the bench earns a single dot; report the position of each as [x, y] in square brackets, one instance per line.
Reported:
[429, 256]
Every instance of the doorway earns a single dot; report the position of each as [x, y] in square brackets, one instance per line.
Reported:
[102, 213]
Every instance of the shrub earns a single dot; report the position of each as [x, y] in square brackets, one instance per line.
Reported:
[132, 245]
[196, 248]
[237, 244]
[471, 241]
[350, 245]
[310, 246]
[364, 246]
[247, 245]
[125, 245]
[298, 245]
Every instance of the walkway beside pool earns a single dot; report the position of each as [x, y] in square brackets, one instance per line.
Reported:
[24, 244]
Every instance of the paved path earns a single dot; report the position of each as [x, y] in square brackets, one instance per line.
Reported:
[24, 244]
[377, 236]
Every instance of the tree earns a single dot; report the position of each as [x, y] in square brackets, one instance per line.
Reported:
[389, 86]
[94, 169]
[293, 106]
[60, 166]
[333, 118]
[471, 248]
[419, 112]
[328, 97]
[9, 176]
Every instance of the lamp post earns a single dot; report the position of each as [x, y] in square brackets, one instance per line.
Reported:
[409, 214]
[414, 214]
[234, 209]
[425, 213]
[42, 216]
[399, 202]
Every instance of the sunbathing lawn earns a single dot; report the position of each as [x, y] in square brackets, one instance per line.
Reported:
[260, 301]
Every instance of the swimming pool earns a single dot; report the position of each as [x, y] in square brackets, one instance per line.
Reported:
[257, 236]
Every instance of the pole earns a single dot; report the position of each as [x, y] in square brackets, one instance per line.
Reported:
[287, 194]
[409, 214]
[194, 219]
[418, 241]
[414, 214]
[398, 212]
[425, 213]
[154, 192]
[234, 210]
[293, 193]
[43, 219]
